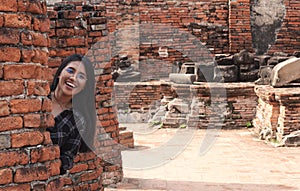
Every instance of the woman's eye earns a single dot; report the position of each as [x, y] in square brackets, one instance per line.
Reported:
[81, 76]
[70, 70]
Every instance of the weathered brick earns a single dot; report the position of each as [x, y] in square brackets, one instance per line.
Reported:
[54, 62]
[66, 180]
[28, 174]
[8, 5]
[13, 158]
[24, 72]
[11, 123]
[44, 154]
[63, 23]
[47, 120]
[80, 32]
[38, 186]
[17, 21]
[65, 32]
[53, 167]
[4, 109]
[96, 163]
[25, 105]
[79, 168]
[81, 51]
[39, 39]
[1, 71]
[95, 33]
[76, 41]
[38, 88]
[32, 120]
[37, 7]
[95, 186]
[70, 14]
[6, 176]
[52, 14]
[91, 175]
[46, 74]
[97, 20]
[47, 139]
[11, 54]
[54, 185]
[26, 38]
[19, 187]
[81, 187]
[9, 36]
[41, 24]
[27, 55]
[1, 20]
[47, 105]
[86, 156]
[26, 139]
[34, 38]
[61, 43]
[5, 141]
[64, 52]
[40, 56]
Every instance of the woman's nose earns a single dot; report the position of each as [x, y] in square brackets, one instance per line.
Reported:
[73, 76]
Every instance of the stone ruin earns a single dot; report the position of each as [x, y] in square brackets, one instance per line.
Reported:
[123, 70]
[240, 67]
[277, 115]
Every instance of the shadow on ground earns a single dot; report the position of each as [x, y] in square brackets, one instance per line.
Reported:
[156, 184]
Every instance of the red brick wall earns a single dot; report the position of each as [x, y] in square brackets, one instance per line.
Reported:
[240, 36]
[140, 95]
[237, 101]
[288, 36]
[206, 20]
[222, 26]
[28, 159]
[77, 28]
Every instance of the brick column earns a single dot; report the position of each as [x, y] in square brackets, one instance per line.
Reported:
[29, 161]
[277, 115]
[80, 27]
[240, 36]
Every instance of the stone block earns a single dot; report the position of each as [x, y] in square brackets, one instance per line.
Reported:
[249, 76]
[205, 73]
[285, 72]
[292, 139]
[182, 78]
[228, 73]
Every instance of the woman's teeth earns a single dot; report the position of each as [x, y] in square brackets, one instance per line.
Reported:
[70, 84]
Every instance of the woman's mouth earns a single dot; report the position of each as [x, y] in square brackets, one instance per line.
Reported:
[70, 85]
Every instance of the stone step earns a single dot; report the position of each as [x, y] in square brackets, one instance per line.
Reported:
[175, 120]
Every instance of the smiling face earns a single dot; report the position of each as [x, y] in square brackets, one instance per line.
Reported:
[72, 79]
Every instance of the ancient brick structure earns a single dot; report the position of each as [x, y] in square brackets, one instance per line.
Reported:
[139, 95]
[77, 28]
[287, 40]
[29, 161]
[237, 102]
[277, 115]
[35, 37]
[157, 34]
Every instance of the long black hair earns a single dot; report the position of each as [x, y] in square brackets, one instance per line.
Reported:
[84, 101]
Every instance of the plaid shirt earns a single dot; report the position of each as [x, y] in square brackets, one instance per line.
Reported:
[66, 134]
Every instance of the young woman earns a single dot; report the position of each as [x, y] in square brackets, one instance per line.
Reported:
[73, 101]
